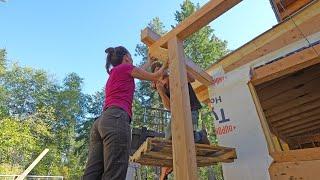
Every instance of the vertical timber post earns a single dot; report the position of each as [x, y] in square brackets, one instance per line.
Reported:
[184, 156]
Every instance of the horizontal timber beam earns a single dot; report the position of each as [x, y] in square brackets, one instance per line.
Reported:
[297, 155]
[149, 37]
[196, 21]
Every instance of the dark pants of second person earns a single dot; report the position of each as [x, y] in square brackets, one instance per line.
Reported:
[194, 118]
[109, 148]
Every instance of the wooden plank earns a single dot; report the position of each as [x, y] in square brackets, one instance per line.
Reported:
[298, 123]
[198, 73]
[282, 98]
[263, 121]
[166, 145]
[284, 145]
[295, 111]
[149, 37]
[296, 155]
[282, 4]
[199, 89]
[306, 125]
[292, 104]
[304, 139]
[304, 115]
[289, 64]
[33, 164]
[201, 162]
[184, 156]
[203, 95]
[295, 170]
[195, 22]
[275, 38]
[276, 10]
[289, 82]
[158, 152]
[303, 131]
[269, 83]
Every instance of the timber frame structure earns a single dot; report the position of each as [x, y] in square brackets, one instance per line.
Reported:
[170, 48]
[292, 78]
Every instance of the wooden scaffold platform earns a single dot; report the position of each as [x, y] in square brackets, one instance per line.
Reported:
[158, 152]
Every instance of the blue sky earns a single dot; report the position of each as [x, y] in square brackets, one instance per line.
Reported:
[70, 36]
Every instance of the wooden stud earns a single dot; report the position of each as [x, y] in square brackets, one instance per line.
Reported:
[276, 142]
[276, 10]
[184, 157]
[264, 124]
[284, 145]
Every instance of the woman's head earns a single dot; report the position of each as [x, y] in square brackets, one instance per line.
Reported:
[116, 56]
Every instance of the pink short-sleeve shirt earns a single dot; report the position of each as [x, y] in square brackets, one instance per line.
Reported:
[119, 88]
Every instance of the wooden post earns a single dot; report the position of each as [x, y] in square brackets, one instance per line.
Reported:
[184, 156]
[264, 124]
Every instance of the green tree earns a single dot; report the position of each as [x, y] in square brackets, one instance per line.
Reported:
[2, 61]
[70, 109]
[3, 108]
[39, 113]
[94, 110]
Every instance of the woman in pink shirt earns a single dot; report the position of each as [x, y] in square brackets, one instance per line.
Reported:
[110, 137]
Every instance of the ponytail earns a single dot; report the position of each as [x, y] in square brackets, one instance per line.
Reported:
[115, 56]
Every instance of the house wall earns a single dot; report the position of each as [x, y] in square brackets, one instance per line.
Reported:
[237, 122]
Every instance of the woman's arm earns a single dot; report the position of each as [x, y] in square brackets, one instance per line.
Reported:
[145, 75]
